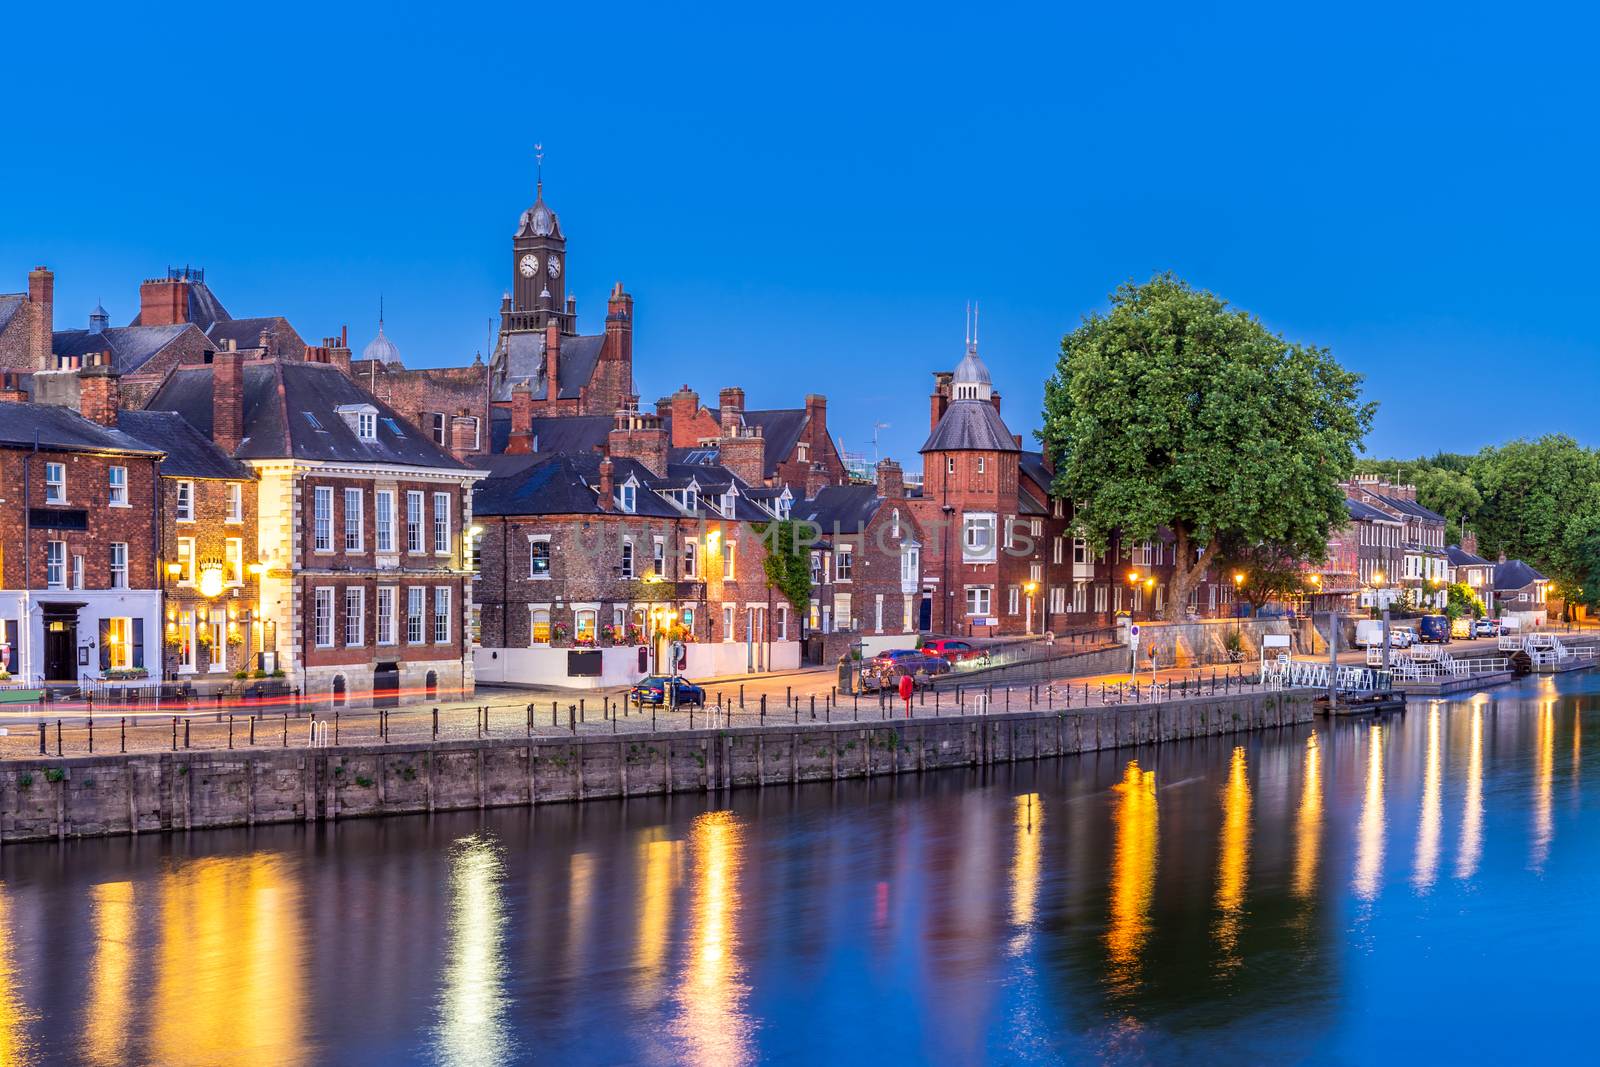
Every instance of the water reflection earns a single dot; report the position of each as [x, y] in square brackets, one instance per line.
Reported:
[1543, 782]
[1370, 829]
[1028, 817]
[230, 965]
[472, 1027]
[1233, 861]
[1133, 875]
[1308, 823]
[1428, 826]
[712, 1025]
[659, 864]
[1472, 807]
[108, 1027]
[15, 1047]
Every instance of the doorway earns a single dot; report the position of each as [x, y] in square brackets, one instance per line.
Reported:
[925, 613]
[61, 648]
[386, 686]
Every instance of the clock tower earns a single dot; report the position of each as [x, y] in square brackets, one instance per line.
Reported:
[539, 270]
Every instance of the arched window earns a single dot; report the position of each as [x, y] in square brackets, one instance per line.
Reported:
[431, 685]
[540, 634]
[338, 691]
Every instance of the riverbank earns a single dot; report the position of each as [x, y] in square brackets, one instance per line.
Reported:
[46, 799]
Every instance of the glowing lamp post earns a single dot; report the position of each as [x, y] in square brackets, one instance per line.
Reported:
[1030, 588]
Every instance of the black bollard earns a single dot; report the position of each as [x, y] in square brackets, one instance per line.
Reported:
[813, 707]
[58, 737]
[529, 724]
[41, 737]
[91, 732]
[572, 717]
[174, 733]
[124, 728]
[741, 696]
[763, 709]
[252, 729]
[230, 730]
[286, 726]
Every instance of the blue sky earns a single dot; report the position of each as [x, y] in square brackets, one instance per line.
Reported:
[804, 200]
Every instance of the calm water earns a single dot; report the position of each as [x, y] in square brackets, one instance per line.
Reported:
[1421, 889]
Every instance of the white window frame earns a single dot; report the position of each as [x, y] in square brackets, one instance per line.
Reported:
[533, 541]
[355, 526]
[783, 622]
[441, 524]
[233, 560]
[120, 637]
[355, 616]
[441, 615]
[186, 560]
[691, 558]
[658, 556]
[55, 483]
[416, 614]
[183, 504]
[322, 518]
[534, 611]
[188, 651]
[367, 425]
[235, 502]
[119, 564]
[727, 622]
[117, 487]
[386, 597]
[843, 566]
[977, 595]
[976, 548]
[628, 497]
[322, 617]
[414, 520]
[730, 564]
[627, 563]
[383, 520]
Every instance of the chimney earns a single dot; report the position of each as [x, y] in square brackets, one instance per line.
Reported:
[743, 453]
[607, 489]
[1017, 437]
[336, 350]
[98, 395]
[227, 399]
[1469, 542]
[619, 326]
[816, 424]
[664, 407]
[685, 406]
[891, 480]
[730, 407]
[164, 302]
[552, 359]
[41, 323]
[521, 440]
[464, 431]
[11, 390]
[639, 436]
[994, 398]
[940, 397]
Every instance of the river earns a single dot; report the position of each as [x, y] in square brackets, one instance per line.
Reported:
[1408, 889]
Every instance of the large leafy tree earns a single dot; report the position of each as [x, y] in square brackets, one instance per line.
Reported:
[1262, 573]
[1174, 410]
[1540, 502]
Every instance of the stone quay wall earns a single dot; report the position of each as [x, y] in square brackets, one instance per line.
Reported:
[45, 799]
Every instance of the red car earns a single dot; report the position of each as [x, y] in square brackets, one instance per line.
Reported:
[955, 651]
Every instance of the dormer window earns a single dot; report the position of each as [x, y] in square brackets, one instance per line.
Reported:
[628, 496]
[691, 499]
[727, 504]
[362, 418]
[785, 503]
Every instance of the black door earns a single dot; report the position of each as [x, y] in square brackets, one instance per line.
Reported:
[386, 686]
[60, 650]
[925, 615]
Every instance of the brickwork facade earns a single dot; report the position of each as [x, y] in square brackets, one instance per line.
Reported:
[211, 622]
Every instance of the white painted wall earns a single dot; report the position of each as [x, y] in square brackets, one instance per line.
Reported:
[618, 666]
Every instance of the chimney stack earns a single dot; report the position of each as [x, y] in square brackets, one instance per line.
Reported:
[41, 321]
[227, 399]
[685, 406]
[639, 436]
[607, 489]
[11, 390]
[99, 395]
[164, 302]
[891, 480]
[730, 408]
[619, 325]
[521, 440]
[464, 432]
[552, 360]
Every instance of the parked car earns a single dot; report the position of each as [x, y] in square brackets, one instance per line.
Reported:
[1486, 628]
[955, 651]
[1434, 629]
[653, 690]
[1406, 636]
[887, 668]
[1369, 634]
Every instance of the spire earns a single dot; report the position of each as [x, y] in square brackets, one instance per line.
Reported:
[538, 171]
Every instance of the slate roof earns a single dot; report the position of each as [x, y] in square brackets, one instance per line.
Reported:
[190, 454]
[204, 308]
[567, 484]
[9, 303]
[279, 394]
[1032, 464]
[1409, 507]
[131, 347]
[781, 429]
[851, 507]
[522, 360]
[1366, 512]
[53, 426]
[1514, 574]
[1459, 557]
[246, 333]
[968, 426]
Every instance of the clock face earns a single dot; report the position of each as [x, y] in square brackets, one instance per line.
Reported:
[553, 265]
[528, 266]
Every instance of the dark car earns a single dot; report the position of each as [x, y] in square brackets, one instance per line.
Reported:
[955, 651]
[1434, 629]
[885, 669]
[653, 690]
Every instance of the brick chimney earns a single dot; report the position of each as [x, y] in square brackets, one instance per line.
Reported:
[730, 407]
[607, 488]
[685, 406]
[11, 390]
[891, 480]
[552, 359]
[99, 394]
[1469, 542]
[227, 398]
[464, 434]
[939, 399]
[639, 436]
[334, 351]
[994, 398]
[816, 424]
[41, 321]
[619, 326]
[521, 439]
[163, 302]
[742, 450]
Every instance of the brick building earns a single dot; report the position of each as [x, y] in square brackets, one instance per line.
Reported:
[78, 543]
[1420, 568]
[26, 320]
[362, 528]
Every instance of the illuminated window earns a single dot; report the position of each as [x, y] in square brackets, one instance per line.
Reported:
[539, 558]
[584, 627]
[119, 643]
[186, 560]
[540, 632]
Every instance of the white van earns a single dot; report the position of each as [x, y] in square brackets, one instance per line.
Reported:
[1369, 634]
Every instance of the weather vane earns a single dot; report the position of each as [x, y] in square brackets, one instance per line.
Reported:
[538, 165]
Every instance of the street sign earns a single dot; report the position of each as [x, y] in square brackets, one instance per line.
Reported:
[1133, 633]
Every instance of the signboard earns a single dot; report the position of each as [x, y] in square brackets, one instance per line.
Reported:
[1133, 633]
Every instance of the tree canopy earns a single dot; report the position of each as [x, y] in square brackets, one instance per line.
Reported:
[1175, 411]
[787, 563]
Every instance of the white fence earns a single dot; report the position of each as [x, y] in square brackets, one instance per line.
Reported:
[1288, 673]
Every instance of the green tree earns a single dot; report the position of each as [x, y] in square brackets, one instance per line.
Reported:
[1463, 601]
[1540, 502]
[788, 562]
[1173, 410]
[1265, 572]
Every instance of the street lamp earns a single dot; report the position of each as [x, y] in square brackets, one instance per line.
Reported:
[1377, 588]
[1133, 583]
[1030, 588]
